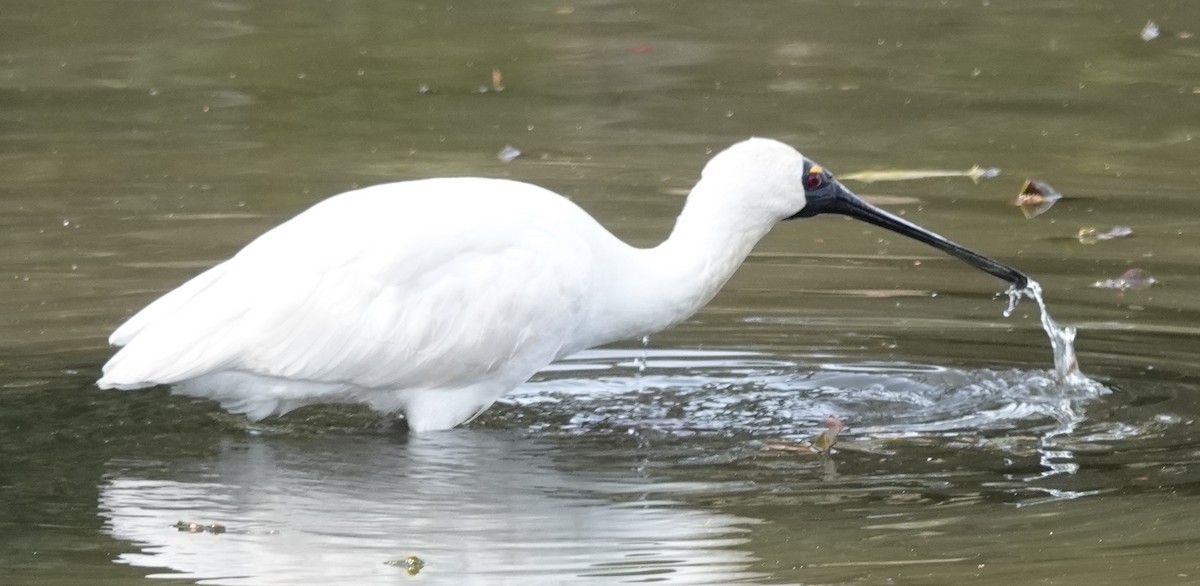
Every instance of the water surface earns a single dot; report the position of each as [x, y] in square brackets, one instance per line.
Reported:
[144, 142]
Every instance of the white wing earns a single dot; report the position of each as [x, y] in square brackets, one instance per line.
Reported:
[432, 284]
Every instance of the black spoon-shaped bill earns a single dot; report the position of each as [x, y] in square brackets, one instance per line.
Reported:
[828, 196]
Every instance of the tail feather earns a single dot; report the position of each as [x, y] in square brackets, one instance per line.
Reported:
[181, 335]
[166, 305]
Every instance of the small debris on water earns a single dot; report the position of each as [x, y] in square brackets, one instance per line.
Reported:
[1036, 197]
[497, 80]
[497, 83]
[1091, 235]
[1150, 31]
[509, 153]
[193, 527]
[1134, 278]
[411, 564]
[975, 173]
[424, 89]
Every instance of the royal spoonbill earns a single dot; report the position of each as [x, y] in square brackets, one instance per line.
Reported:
[433, 298]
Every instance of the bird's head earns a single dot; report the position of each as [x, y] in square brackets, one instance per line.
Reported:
[788, 186]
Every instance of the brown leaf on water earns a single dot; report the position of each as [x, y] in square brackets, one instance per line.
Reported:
[1036, 197]
[819, 446]
[826, 439]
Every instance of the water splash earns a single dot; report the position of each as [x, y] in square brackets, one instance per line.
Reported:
[1062, 339]
[641, 361]
[1055, 458]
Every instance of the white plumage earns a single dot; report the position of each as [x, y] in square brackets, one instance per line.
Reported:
[435, 297]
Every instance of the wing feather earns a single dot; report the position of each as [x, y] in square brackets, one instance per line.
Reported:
[426, 284]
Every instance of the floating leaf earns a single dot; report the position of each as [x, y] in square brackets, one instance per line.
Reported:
[801, 447]
[1131, 279]
[1036, 197]
[820, 445]
[829, 437]
[411, 564]
[1091, 235]
[193, 527]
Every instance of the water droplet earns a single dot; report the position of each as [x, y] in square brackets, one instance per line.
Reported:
[641, 362]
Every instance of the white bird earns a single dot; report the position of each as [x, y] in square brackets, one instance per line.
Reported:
[433, 298]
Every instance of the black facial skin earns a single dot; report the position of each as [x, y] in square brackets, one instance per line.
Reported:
[825, 195]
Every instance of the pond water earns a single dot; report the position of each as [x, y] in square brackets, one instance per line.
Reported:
[144, 142]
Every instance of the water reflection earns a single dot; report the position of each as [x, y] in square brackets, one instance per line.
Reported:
[489, 507]
[663, 473]
[477, 507]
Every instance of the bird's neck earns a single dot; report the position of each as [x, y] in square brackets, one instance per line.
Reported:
[658, 287]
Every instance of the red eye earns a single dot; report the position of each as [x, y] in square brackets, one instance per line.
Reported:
[813, 181]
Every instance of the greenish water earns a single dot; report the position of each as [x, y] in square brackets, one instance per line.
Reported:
[141, 142]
